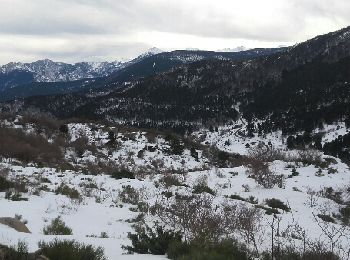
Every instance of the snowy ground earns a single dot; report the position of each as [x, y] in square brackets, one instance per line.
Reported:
[100, 208]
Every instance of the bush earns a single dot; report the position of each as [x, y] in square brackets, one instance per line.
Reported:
[19, 252]
[261, 173]
[5, 184]
[268, 211]
[292, 254]
[57, 227]
[70, 250]
[28, 147]
[266, 154]
[309, 157]
[170, 180]
[129, 195]
[122, 174]
[277, 204]
[199, 188]
[67, 191]
[14, 196]
[345, 214]
[224, 250]
[326, 218]
[149, 241]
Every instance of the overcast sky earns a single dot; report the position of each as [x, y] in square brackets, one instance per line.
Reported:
[76, 30]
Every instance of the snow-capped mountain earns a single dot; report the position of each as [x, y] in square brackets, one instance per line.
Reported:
[150, 52]
[237, 49]
[50, 71]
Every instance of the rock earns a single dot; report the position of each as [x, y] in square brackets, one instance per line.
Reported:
[15, 224]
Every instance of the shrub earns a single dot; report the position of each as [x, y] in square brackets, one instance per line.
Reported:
[14, 196]
[195, 216]
[326, 218]
[261, 173]
[70, 250]
[176, 147]
[123, 174]
[81, 145]
[266, 154]
[224, 250]
[345, 214]
[268, 211]
[18, 252]
[129, 195]
[309, 157]
[57, 227]
[277, 204]
[170, 180]
[67, 191]
[237, 197]
[5, 184]
[149, 241]
[200, 188]
[292, 254]
[15, 143]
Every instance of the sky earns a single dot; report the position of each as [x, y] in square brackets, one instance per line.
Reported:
[98, 30]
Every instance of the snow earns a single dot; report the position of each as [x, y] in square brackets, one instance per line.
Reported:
[101, 209]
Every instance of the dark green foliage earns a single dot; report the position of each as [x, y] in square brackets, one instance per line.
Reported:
[64, 129]
[176, 146]
[224, 250]
[268, 211]
[123, 174]
[345, 214]
[111, 138]
[14, 196]
[340, 148]
[326, 218]
[5, 184]
[57, 227]
[292, 254]
[330, 193]
[149, 241]
[19, 252]
[223, 156]
[199, 188]
[70, 250]
[251, 199]
[277, 204]
[237, 197]
[194, 153]
[295, 173]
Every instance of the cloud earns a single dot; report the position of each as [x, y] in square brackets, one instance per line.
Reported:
[110, 29]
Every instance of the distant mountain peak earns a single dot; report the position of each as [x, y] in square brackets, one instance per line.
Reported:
[47, 70]
[237, 49]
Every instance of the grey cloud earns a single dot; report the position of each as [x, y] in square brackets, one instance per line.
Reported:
[292, 21]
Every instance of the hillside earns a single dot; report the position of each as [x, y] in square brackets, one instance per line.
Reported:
[46, 77]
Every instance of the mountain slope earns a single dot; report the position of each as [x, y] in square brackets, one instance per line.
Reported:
[108, 75]
[273, 87]
[50, 71]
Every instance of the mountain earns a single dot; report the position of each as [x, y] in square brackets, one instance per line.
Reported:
[46, 77]
[237, 49]
[50, 71]
[295, 89]
[166, 61]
